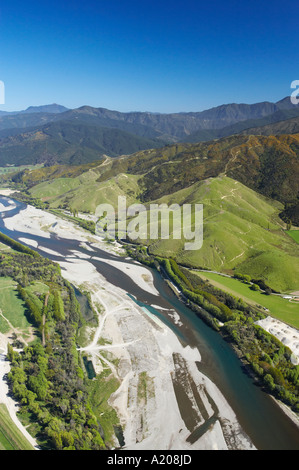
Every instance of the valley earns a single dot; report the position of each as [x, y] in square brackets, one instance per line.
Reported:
[149, 229]
[148, 351]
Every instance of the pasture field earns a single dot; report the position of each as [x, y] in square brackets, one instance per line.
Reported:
[294, 234]
[241, 231]
[12, 308]
[11, 437]
[85, 193]
[38, 287]
[279, 308]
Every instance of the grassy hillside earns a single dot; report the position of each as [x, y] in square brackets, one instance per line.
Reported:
[11, 437]
[294, 234]
[242, 232]
[85, 193]
[269, 165]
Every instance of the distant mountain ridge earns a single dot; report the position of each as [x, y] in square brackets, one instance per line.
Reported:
[48, 108]
[174, 125]
[50, 133]
[249, 126]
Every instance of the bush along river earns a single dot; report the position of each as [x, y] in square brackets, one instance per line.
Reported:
[268, 427]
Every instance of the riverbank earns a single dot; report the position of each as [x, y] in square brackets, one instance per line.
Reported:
[162, 397]
[6, 398]
[287, 335]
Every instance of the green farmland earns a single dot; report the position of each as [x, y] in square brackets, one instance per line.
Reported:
[10, 436]
[279, 308]
[294, 234]
[11, 307]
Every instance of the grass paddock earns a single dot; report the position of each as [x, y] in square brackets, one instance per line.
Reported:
[280, 308]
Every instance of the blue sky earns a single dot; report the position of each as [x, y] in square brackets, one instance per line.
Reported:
[159, 56]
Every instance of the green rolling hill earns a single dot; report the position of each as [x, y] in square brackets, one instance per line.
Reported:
[85, 193]
[242, 232]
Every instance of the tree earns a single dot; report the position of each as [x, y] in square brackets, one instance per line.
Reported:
[254, 287]
[58, 307]
[268, 379]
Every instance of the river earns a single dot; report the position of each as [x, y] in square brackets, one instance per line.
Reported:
[262, 419]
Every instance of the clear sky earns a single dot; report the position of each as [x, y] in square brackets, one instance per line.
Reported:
[147, 55]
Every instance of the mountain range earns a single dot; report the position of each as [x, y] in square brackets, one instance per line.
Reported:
[54, 134]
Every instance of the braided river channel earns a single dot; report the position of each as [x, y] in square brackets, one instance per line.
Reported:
[266, 424]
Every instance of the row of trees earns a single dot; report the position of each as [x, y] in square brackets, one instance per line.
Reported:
[16, 245]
